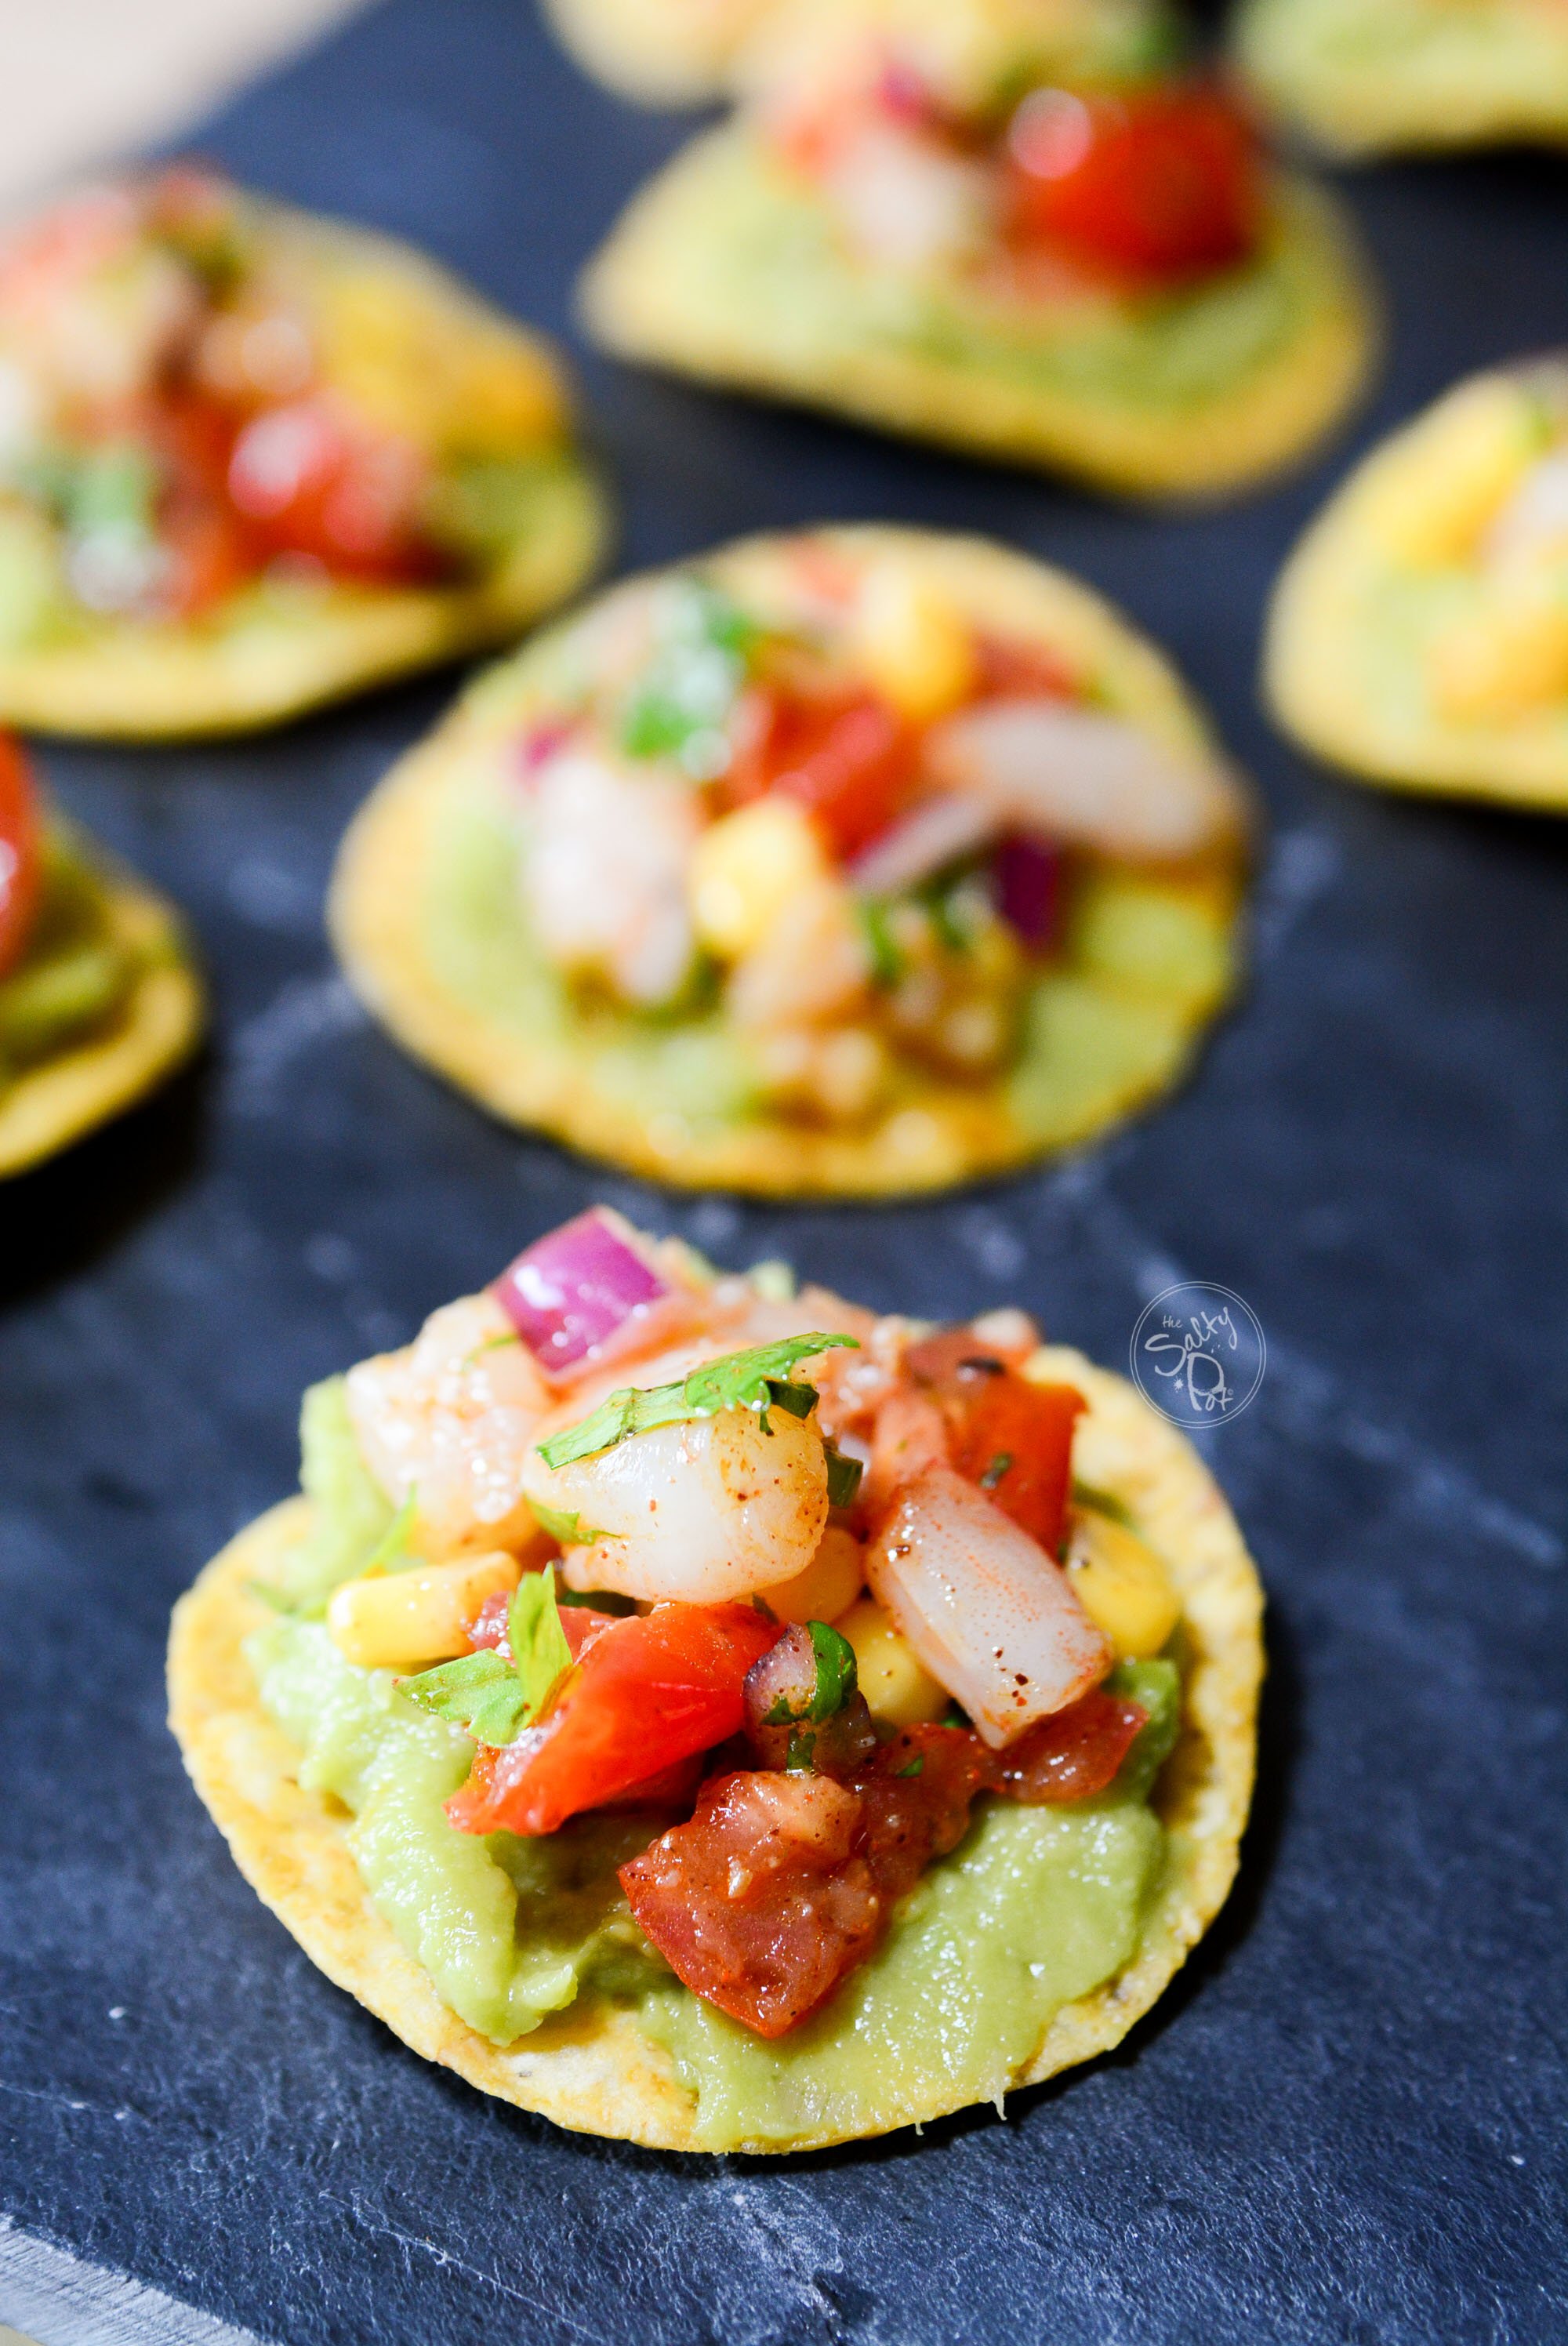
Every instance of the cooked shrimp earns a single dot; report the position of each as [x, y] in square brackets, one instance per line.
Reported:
[989, 1614]
[604, 879]
[700, 1512]
[451, 1419]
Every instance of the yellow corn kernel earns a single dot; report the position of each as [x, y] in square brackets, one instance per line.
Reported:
[442, 381]
[830, 1584]
[898, 1687]
[913, 643]
[1121, 1585]
[1503, 660]
[1431, 497]
[748, 866]
[406, 1620]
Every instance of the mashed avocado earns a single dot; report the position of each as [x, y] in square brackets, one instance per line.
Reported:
[1036, 1907]
[73, 974]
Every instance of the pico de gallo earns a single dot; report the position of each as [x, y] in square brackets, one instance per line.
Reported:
[1142, 186]
[777, 1593]
[849, 813]
[199, 392]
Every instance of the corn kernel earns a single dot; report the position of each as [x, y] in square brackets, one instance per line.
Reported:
[898, 1687]
[830, 1584]
[748, 866]
[1121, 1585]
[915, 644]
[1431, 499]
[1503, 660]
[410, 1618]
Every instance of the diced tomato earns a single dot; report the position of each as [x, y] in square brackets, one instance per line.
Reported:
[759, 1903]
[308, 482]
[1012, 1436]
[19, 853]
[650, 1690]
[1163, 183]
[1073, 1754]
[917, 1799]
[850, 763]
[214, 550]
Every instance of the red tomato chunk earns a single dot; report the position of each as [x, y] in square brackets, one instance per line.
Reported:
[20, 851]
[648, 1691]
[1162, 184]
[1073, 1754]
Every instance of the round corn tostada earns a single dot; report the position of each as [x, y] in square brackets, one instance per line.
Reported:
[99, 1000]
[858, 861]
[923, 219]
[463, 1766]
[681, 52]
[1380, 77]
[1418, 633]
[251, 460]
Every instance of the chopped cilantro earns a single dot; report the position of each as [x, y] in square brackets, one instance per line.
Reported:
[916, 1766]
[568, 1529]
[755, 1379]
[1000, 1466]
[492, 1698]
[1104, 1503]
[843, 1477]
[835, 1678]
[887, 961]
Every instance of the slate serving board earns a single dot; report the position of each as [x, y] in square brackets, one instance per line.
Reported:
[1345, 2121]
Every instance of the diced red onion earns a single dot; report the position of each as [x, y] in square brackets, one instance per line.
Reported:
[540, 744]
[573, 1289]
[936, 833]
[1027, 873]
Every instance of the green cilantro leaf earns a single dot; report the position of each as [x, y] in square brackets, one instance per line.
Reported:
[915, 1767]
[1104, 1503]
[835, 1678]
[1000, 1466]
[481, 1692]
[747, 1380]
[887, 959]
[569, 1529]
[540, 1654]
[843, 1477]
[492, 1698]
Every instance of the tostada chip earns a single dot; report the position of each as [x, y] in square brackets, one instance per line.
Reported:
[861, 861]
[1376, 77]
[1419, 634]
[98, 998]
[714, 1715]
[925, 222]
[680, 52]
[250, 460]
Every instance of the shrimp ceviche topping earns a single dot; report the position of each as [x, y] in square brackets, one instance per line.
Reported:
[753, 1597]
[876, 837]
[212, 409]
[938, 221]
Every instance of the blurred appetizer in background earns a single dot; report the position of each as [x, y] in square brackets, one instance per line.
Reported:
[250, 460]
[861, 861]
[98, 1001]
[1418, 633]
[1379, 76]
[923, 220]
[681, 52]
[716, 1717]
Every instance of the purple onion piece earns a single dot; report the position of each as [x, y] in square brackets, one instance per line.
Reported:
[572, 1289]
[1027, 875]
[539, 745]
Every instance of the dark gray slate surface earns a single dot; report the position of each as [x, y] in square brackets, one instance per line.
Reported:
[1346, 2121]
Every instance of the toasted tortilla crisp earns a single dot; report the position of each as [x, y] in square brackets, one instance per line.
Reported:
[592, 2069]
[1367, 77]
[288, 642]
[55, 1099]
[725, 269]
[426, 920]
[1393, 649]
